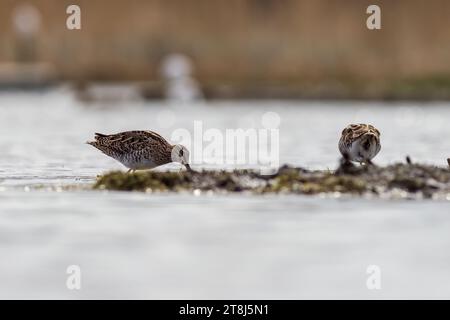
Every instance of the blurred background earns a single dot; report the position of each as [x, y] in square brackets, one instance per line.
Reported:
[236, 48]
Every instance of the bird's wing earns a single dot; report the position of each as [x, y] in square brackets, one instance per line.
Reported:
[354, 131]
[374, 130]
[128, 141]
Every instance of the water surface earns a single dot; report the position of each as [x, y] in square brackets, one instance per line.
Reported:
[132, 245]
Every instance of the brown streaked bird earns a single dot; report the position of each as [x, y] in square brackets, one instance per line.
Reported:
[140, 150]
[360, 143]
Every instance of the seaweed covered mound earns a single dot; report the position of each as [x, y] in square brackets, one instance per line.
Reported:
[150, 181]
[402, 180]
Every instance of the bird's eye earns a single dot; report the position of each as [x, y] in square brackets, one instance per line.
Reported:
[181, 153]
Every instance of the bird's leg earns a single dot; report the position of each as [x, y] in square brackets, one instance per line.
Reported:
[129, 170]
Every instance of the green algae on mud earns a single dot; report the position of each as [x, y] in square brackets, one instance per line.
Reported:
[409, 180]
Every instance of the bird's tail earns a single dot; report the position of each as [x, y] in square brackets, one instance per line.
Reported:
[100, 135]
[96, 137]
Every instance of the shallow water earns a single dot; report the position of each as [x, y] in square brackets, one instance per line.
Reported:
[183, 246]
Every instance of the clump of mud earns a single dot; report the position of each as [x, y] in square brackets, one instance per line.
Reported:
[398, 180]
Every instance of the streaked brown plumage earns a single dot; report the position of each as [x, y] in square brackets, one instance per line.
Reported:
[140, 150]
[360, 142]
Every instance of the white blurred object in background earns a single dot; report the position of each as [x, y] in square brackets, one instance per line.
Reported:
[26, 20]
[180, 85]
[26, 70]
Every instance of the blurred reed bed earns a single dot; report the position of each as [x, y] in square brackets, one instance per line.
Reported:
[246, 48]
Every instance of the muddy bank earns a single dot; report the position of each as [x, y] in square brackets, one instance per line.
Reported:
[398, 181]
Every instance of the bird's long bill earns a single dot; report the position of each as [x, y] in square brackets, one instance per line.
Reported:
[188, 167]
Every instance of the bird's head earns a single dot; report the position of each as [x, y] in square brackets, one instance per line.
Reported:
[180, 154]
